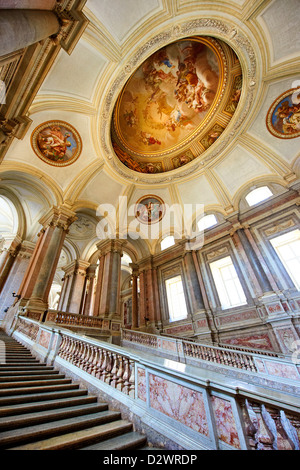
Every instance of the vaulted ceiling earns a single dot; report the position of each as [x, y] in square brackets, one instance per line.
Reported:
[82, 89]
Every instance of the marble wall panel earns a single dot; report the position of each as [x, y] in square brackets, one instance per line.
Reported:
[178, 402]
[141, 384]
[225, 422]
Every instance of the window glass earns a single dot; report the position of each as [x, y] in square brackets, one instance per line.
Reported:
[258, 195]
[207, 221]
[176, 299]
[287, 247]
[167, 242]
[227, 283]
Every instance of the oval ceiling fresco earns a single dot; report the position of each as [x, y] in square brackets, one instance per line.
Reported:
[176, 104]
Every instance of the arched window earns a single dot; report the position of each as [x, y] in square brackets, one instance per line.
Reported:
[167, 242]
[8, 217]
[258, 195]
[176, 299]
[207, 221]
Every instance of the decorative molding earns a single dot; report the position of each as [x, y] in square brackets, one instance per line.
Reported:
[204, 26]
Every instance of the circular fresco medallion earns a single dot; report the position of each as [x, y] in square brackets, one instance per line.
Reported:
[149, 209]
[283, 118]
[56, 143]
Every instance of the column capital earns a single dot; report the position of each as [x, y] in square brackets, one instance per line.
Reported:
[238, 226]
[135, 269]
[10, 243]
[111, 246]
[58, 216]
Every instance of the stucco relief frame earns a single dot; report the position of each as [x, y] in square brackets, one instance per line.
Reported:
[225, 31]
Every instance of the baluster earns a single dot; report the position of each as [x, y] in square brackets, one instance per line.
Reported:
[120, 373]
[264, 435]
[95, 361]
[69, 356]
[131, 380]
[63, 347]
[108, 375]
[283, 440]
[99, 364]
[103, 365]
[126, 376]
[84, 358]
[79, 354]
[249, 426]
[114, 370]
[89, 364]
[294, 423]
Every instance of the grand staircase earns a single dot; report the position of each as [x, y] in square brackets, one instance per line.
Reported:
[41, 409]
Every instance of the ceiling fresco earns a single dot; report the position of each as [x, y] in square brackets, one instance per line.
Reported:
[176, 105]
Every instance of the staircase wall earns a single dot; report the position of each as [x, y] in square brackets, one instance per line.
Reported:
[186, 406]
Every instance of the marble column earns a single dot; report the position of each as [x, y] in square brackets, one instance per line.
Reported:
[142, 299]
[193, 287]
[20, 28]
[41, 271]
[89, 290]
[8, 253]
[111, 251]
[74, 297]
[16, 275]
[257, 268]
[135, 273]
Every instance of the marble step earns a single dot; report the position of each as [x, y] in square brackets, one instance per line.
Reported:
[75, 440]
[16, 372]
[5, 392]
[52, 404]
[39, 417]
[33, 397]
[130, 440]
[30, 377]
[30, 434]
[35, 383]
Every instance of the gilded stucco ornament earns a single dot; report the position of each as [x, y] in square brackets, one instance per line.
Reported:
[205, 27]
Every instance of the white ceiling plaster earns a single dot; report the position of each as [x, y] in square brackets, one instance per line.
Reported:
[238, 168]
[281, 18]
[197, 191]
[119, 16]
[76, 74]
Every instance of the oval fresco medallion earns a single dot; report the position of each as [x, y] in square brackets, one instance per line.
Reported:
[176, 104]
[283, 118]
[56, 143]
[149, 209]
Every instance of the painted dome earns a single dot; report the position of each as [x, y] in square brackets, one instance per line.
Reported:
[176, 105]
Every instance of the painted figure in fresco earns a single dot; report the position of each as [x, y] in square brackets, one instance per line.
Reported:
[285, 118]
[168, 96]
[149, 211]
[52, 143]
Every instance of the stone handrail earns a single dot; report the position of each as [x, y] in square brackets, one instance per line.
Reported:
[253, 361]
[217, 412]
[73, 319]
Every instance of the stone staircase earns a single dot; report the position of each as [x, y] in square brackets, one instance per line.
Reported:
[41, 409]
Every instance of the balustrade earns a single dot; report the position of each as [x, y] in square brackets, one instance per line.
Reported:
[263, 419]
[112, 368]
[74, 319]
